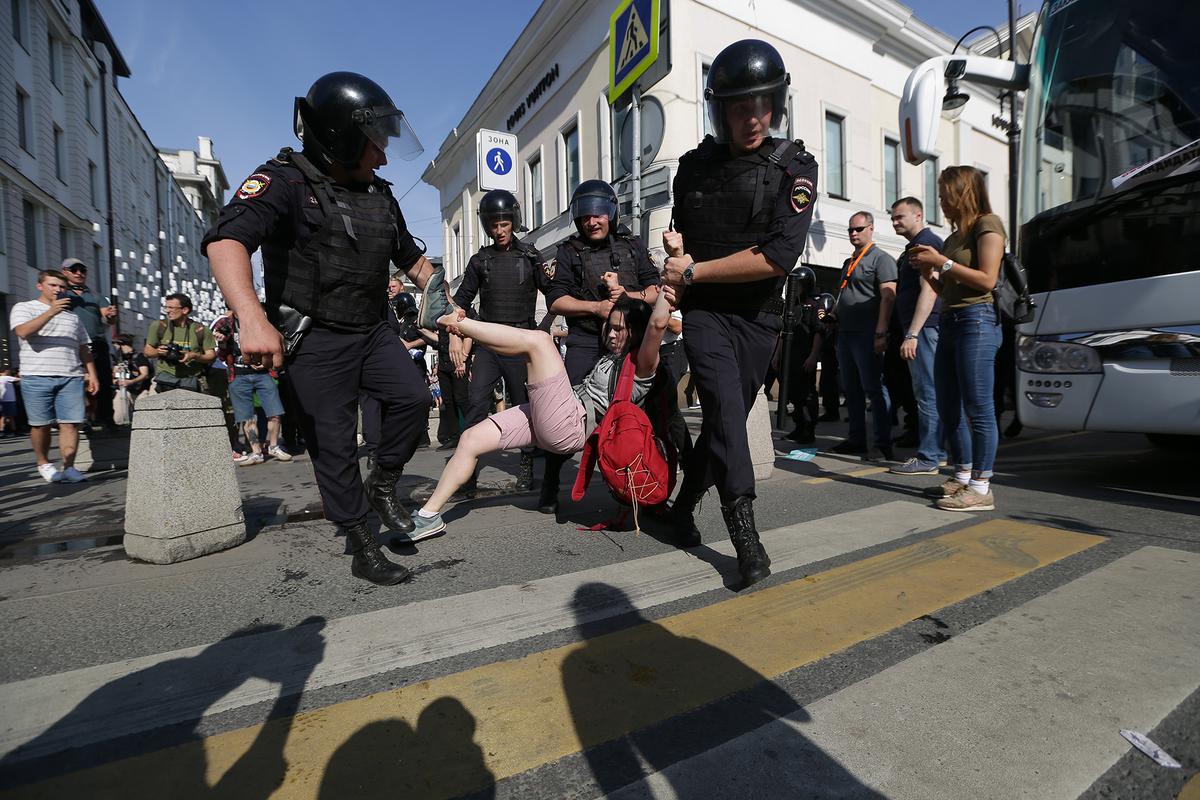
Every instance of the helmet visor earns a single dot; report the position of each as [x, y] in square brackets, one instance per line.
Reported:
[388, 129]
[722, 110]
[591, 205]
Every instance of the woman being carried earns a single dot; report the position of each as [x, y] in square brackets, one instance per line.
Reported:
[557, 418]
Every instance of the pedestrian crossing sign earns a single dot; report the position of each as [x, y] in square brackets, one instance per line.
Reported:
[633, 42]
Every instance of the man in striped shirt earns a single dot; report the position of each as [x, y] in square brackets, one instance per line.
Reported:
[56, 368]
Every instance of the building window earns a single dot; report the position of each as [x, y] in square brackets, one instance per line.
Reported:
[20, 23]
[456, 254]
[933, 209]
[29, 215]
[98, 260]
[88, 104]
[60, 157]
[54, 55]
[891, 172]
[835, 156]
[537, 209]
[707, 129]
[93, 184]
[3, 219]
[24, 122]
[64, 242]
[570, 151]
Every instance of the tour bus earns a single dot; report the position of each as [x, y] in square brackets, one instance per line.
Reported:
[1109, 207]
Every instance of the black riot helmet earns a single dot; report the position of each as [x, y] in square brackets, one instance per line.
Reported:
[499, 205]
[595, 198]
[803, 281]
[404, 304]
[343, 111]
[749, 68]
[826, 302]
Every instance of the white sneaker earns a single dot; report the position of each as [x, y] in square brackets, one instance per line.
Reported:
[50, 473]
[251, 459]
[72, 475]
[279, 453]
[239, 457]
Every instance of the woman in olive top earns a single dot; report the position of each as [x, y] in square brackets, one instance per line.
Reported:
[964, 274]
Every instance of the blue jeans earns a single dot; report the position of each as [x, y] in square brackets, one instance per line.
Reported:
[50, 398]
[964, 371]
[924, 389]
[241, 394]
[862, 378]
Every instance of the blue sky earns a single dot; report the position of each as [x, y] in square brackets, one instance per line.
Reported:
[230, 70]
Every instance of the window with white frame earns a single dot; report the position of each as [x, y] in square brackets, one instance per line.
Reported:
[24, 122]
[570, 159]
[537, 207]
[29, 217]
[54, 56]
[89, 108]
[891, 171]
[64, 242]
[93, 184]
[60, 155]
[707, 128]
[835, 155]
[933, 209]
[20, 23]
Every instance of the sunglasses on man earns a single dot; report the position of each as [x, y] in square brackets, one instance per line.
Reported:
[858, 228]
[75, 268]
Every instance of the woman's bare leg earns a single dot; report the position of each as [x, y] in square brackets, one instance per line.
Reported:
[476, 441]
[537, 346]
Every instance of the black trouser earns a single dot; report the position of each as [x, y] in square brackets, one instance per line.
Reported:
[329, 370]
[899, 382]
[673, 361]
[371, 420]
[289, 425]
[729, 354]
[486, 370]
[102, 358]
[802, 384]
[454, 404]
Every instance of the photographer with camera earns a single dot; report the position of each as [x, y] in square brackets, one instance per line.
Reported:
[183, 348]
[56, 368]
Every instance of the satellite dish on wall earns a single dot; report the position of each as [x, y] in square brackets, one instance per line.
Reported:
[653, 123]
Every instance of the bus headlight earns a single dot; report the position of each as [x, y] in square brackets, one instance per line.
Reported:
[1036, 355]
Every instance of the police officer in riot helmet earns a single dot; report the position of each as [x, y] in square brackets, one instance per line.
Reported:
[507, 276]
[743, 203]
[328, 228]
[597, 264]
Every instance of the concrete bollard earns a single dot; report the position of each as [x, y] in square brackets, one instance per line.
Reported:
[762, 445]
[182, 499]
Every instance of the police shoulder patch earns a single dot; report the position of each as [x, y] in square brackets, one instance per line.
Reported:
[253, 186]
[549, 267]
[801, 196]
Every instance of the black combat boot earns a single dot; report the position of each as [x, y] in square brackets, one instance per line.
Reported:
[548, 499]
[370, 563]
[753, 562]
[525, 473]
[381, 494]
[682, 518]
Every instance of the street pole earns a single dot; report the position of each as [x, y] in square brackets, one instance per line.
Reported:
[636, 121]
[1014, 134]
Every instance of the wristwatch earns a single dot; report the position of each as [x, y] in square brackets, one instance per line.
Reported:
[689, 273]
[946, 265]
[908, 336]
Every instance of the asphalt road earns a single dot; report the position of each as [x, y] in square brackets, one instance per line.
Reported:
[897, 651]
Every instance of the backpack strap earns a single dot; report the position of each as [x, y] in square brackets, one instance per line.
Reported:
[587, 463]
[624, 390]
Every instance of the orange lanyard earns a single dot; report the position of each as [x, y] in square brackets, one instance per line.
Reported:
[854, 264]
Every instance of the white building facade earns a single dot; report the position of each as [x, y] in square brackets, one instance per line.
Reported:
[848, 61]
[80, 177]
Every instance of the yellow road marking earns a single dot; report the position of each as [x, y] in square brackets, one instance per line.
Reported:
[1191, 789]
[858, 473]
[457, 733]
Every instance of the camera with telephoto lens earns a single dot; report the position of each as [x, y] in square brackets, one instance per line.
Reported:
[173, 355]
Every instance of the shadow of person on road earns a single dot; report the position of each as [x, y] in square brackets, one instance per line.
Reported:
[139, 735]
[388, 759]
[644, 695]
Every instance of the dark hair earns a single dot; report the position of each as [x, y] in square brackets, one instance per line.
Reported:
[51, 273]
[636, 314]
[909, 201]
[181, 298]
[124, 339]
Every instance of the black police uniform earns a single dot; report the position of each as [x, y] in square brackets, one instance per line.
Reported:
[455, 392]
[579, 273]
[326, 251]
[802, 384]
[507, 282]
[725, 203]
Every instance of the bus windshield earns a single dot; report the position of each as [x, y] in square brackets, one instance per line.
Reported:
[1111, 168]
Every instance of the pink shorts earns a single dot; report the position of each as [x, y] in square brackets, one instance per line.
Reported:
[553, 419]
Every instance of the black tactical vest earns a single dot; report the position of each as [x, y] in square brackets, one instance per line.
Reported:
[723, 205]
[338, 277]
[507, 289]
[620, 255]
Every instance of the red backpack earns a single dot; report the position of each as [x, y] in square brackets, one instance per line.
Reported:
[632, 460]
